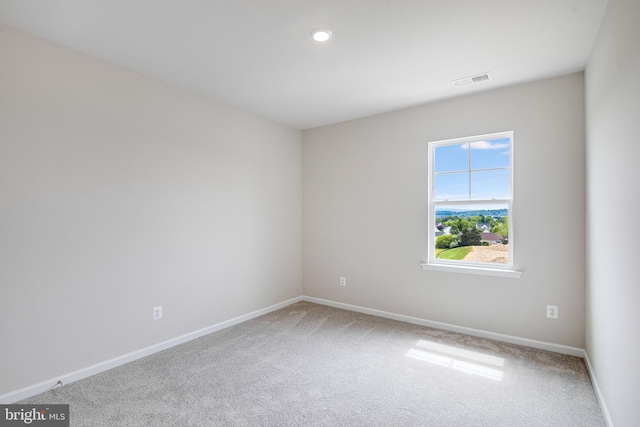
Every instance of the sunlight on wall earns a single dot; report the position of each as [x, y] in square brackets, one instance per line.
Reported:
[467, 361]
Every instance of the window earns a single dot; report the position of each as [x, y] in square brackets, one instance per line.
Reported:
[470, 205]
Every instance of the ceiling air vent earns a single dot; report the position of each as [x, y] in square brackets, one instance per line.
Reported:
[471, 80]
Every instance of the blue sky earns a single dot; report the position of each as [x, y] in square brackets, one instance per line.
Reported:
[487, 164]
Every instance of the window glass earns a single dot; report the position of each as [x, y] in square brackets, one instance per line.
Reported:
[452, 186]
[491, 184]
[451, 158]
[471, 201]
[494, 153]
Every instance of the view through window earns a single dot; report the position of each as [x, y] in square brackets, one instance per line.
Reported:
[471, 195]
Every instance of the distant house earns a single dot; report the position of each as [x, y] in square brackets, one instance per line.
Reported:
[491, 238]
[483, 227]
[443, 230]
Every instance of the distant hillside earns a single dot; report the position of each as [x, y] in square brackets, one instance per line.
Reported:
[466, 213]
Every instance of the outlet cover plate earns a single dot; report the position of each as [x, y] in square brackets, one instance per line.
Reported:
[157, 312]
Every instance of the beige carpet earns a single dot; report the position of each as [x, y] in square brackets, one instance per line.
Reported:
[311, 365]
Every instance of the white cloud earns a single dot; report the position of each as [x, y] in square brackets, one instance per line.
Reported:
[486, 145]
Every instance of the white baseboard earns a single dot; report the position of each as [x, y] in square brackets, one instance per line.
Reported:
[557, 348]
[596, 388]
[52, 383]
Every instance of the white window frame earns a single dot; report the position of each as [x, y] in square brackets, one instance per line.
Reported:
[479, 268]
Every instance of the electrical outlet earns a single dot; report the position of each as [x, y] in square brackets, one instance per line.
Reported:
[343, 281]
[157, 312]
[552, 311]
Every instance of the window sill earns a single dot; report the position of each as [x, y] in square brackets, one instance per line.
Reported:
[495, 272]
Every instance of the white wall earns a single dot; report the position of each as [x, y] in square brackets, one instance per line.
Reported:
[365, 212]
[613, 204]
[119, 192]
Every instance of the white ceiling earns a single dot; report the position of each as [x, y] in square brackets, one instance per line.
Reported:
[385, 54]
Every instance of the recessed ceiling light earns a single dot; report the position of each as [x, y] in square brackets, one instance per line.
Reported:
[321, 34]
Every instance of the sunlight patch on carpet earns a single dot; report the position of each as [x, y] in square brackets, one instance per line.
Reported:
[470, 362]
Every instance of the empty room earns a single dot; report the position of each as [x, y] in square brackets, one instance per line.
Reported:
[341, 213]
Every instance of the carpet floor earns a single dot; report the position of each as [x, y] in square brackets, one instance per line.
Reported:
[312, 365]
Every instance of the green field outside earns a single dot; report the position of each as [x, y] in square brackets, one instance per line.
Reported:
[455, 253]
